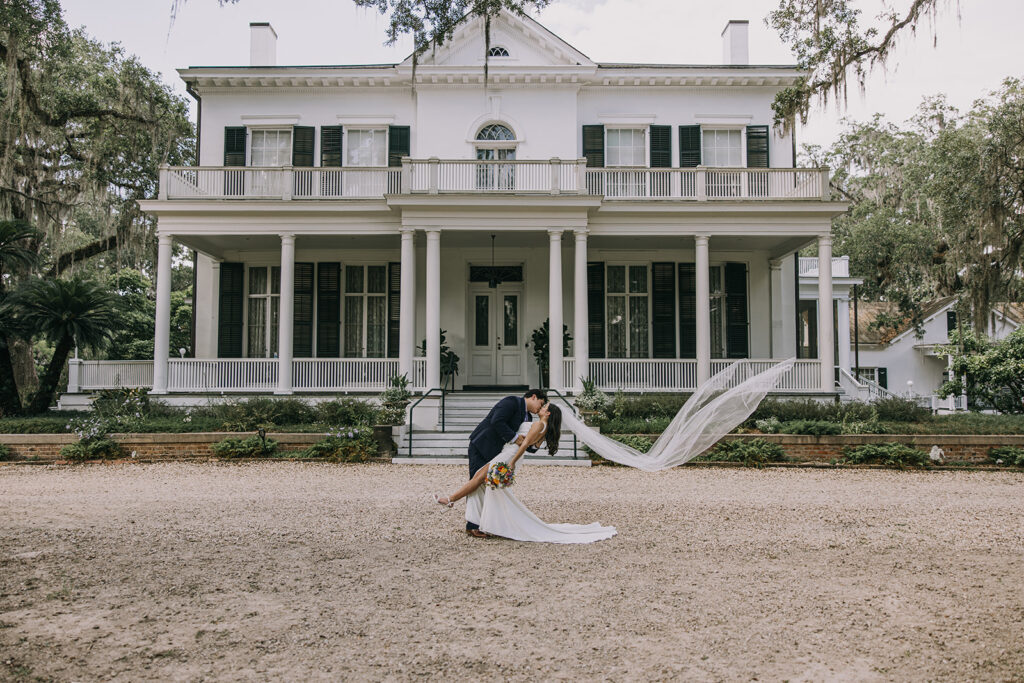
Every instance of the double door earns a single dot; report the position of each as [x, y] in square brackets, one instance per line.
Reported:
[495, 336]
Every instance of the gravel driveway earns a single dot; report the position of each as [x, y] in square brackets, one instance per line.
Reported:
[298, 571]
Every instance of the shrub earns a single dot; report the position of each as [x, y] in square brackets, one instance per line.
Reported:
[638, 441]
[1011, 456]
[814, 427]
[644, 406]
[33, 425]
[769, 425]
[353, 445]
[346, 411]
[245, 416]
[251, 447]
[100, 448]
[895, 409]
[5, 453]
[122, 402]
[809, 409]
[591, 398]
[756, 452]
[635, 425]
[888, 454]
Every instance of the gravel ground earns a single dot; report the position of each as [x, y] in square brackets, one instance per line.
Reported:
[295, 571]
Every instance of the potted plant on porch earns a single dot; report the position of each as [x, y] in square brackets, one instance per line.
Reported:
[590, 402]
[393, 401]
[539, 341]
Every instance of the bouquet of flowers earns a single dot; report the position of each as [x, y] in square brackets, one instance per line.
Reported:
[499, 476]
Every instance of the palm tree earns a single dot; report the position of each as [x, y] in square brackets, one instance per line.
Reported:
[67, 312]
[16, 255]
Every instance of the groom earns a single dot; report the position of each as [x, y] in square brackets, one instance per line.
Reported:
[496, 430]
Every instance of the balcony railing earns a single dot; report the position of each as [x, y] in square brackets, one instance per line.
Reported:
[467, 176]
[680, 375]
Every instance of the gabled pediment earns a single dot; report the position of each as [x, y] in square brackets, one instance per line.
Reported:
[527, 43]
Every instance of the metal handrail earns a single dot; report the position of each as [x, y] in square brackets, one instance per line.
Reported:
[428, 392]
[575, 444]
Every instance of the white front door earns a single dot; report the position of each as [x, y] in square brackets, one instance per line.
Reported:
[495, 335]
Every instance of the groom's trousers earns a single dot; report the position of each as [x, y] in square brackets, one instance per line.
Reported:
[476, 461]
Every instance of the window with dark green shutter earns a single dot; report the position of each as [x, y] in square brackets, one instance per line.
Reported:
[663, 313]
[661, 146]
[398, 144]
[234, 155]
[303, 140]
[595, 309]
[229, 316]
[593, 145]
[330, 146]
[757, 146]
[736, 319]
[883, 377]
[687, 310]
[302, 339]
[689, 146]
[328, 310]
[394, 307]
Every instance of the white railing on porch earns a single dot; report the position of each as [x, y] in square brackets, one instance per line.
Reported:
[809, 266]
[680, 375]
[547, 176]
[91, 375]
[342, 374]
[419, 374]
[222, 374]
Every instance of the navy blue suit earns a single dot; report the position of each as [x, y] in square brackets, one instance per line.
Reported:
[496, 430]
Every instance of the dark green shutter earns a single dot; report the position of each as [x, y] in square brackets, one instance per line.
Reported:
[757, 146]
[950, 322]
[736, 325]
[398, 144]
[593, 145]
[229, 316]
[689, 146]
[302, 146]
[234, 155]
[328, 310]
[595, 309]
[663, 309]
[394, 307]
[883, 378]
[330, 146]
[661, 146]
[302, 328]
[687, 310]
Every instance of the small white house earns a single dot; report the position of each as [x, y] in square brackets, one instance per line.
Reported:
[344, 214]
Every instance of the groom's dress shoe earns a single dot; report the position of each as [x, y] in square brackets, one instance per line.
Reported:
[476, 533]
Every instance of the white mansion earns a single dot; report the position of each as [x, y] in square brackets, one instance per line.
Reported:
[344, 214]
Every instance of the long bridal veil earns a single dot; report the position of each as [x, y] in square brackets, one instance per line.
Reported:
[712, 412]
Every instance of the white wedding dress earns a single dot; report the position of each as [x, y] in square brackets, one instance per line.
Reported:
[500, 513]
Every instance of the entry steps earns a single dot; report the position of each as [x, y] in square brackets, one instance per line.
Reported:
[463, 412]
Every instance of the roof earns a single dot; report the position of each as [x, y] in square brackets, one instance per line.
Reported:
[869, 311]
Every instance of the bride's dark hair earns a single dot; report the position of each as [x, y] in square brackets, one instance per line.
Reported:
[554, 432]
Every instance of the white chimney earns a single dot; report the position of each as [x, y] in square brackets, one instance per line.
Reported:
[262, 44]
[735, 42]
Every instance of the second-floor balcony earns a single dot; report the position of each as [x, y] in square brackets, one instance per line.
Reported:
[460, 176]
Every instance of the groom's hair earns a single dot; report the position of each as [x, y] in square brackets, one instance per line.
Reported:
[539, 393]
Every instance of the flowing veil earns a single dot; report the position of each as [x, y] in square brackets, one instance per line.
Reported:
[712, 412]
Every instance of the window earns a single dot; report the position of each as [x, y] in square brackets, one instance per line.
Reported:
[271, 147]
[263, 311]
[495, 131]
[365, 311]
[497, 51]
[807, 319]
[366, 147]
[626, 147]
[722, 148]
[627, 305]
[495, 176]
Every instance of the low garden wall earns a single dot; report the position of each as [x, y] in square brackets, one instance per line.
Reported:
[806, 448]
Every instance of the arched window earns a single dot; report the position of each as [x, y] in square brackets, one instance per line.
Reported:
[497, 51]
[495, 131]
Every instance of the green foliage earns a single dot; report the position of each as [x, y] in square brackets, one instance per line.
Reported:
[750, 452]
[637, 441]
[1011, 456]
[393, 401]
[247, 415]
[345, 445]
[591, 398]
[991, 373]
[634, 425]
[251, 447]
[888, 454]
[122, 402]
[346, 412]
[539, 342]
[645, 406]
[896, 409]
[101, 448]
[449, 359]
[813, 427]
[5, 453]
[808, 409]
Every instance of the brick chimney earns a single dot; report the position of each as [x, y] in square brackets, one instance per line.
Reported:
[262, 44]
[735, 42]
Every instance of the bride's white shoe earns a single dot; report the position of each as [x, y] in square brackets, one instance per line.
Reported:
[438, 497]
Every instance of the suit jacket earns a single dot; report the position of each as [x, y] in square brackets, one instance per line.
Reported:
[499, 427]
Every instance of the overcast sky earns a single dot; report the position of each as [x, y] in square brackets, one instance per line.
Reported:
[978, 46]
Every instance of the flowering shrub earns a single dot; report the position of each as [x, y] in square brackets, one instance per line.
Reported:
[345, 445]
[251, 447]
[591, 398]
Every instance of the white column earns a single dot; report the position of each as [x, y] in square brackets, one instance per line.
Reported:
[433, 325]
[555, 322]
[825, 338]
[775, 308]
[581, 325]
[285, 322]
[843, 330]
[162, 338]
[407, 305]
[701, 265]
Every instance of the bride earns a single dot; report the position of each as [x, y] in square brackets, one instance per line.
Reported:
[713, 411]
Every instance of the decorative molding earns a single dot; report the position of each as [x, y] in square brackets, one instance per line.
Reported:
[627, 119]
[267, 120]
[366, 119]
[723, 119]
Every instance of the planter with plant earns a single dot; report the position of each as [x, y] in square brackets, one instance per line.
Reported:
[539, 343]
[449, 360]
[591, 402]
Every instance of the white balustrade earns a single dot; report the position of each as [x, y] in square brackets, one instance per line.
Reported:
[114, 374]
[568, 374]
[238, 182]
[419, 374]
[222, 374]
[840, 266]
[342, 374]
[643, 374]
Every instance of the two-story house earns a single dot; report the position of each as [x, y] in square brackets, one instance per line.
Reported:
[344, 214]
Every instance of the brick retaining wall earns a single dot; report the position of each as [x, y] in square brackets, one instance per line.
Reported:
[958, 448]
